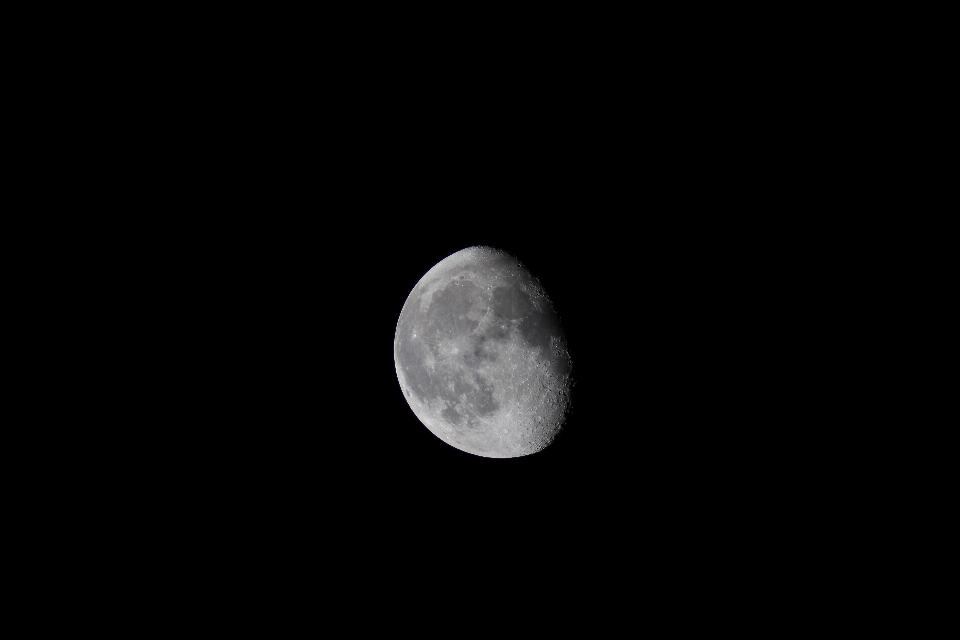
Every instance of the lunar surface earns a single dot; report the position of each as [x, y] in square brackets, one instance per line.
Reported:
[481, 356]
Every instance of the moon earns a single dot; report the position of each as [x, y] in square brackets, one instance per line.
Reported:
[481, 356]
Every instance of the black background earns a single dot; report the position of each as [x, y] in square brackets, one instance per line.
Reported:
[277, 399]
[289, 203]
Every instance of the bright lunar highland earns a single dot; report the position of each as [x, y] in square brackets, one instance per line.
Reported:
[481, 356]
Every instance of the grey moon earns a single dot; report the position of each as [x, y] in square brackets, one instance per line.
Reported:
[481, 356]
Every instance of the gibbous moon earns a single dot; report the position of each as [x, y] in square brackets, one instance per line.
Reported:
[481, 356]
